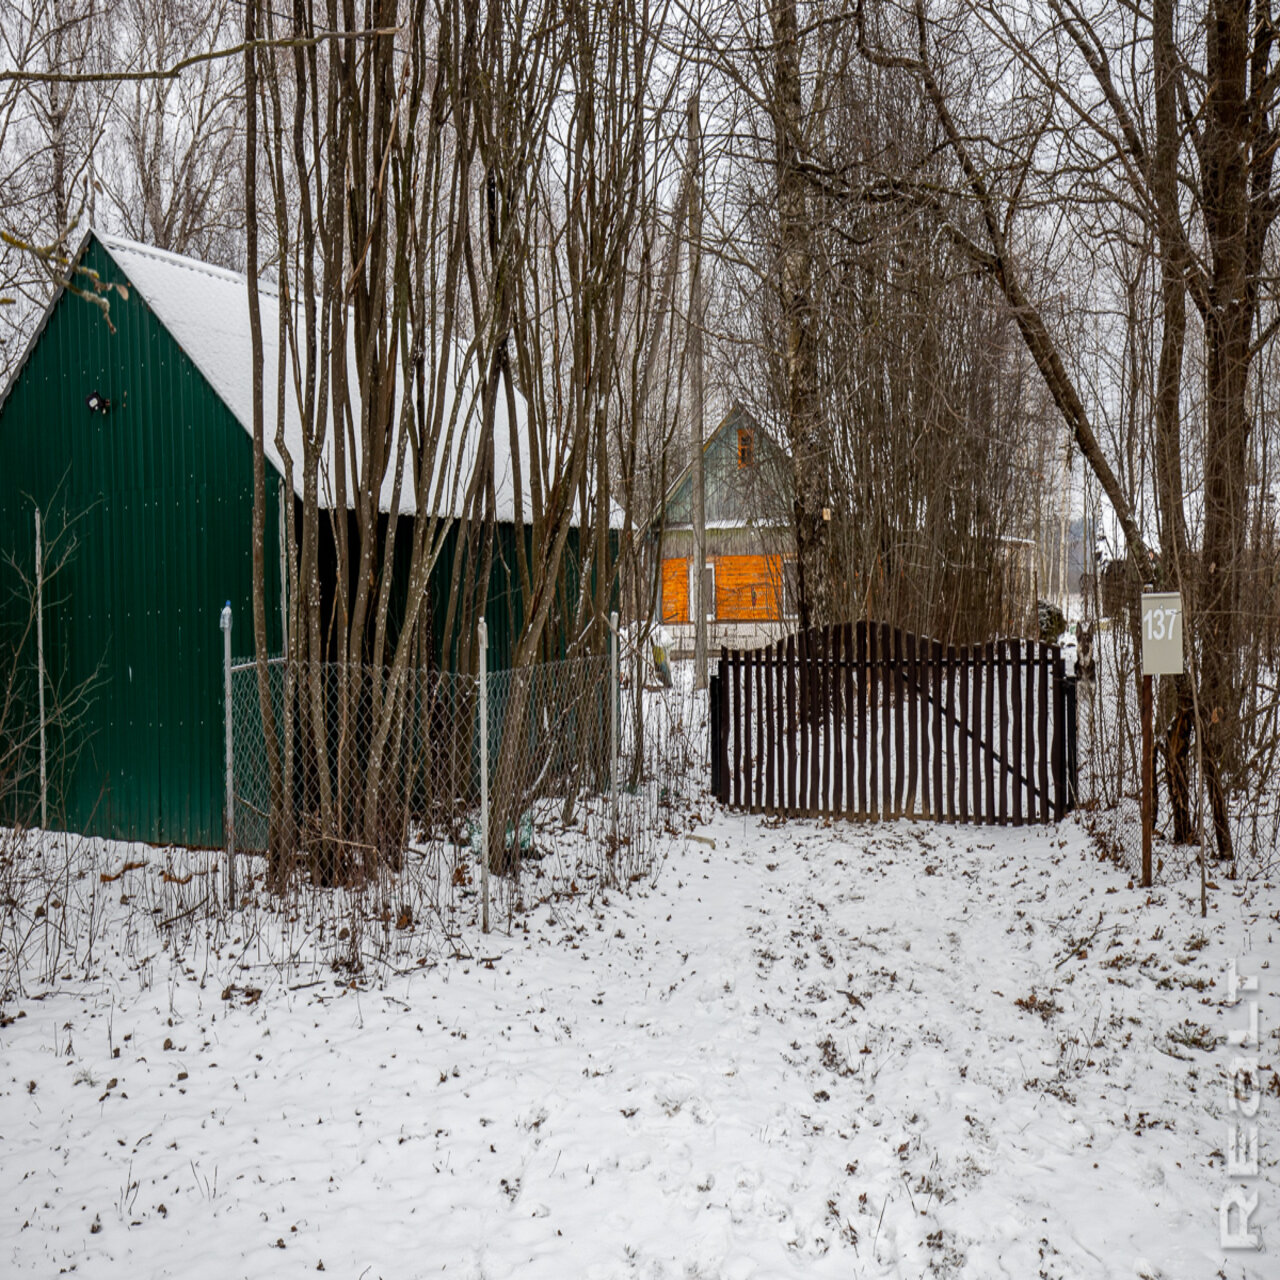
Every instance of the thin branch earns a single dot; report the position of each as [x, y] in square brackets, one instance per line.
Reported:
[210, 55]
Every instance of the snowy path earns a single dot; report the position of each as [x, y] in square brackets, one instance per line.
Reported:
[798, 1055]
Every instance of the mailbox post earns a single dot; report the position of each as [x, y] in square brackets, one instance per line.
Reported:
[1161, 656]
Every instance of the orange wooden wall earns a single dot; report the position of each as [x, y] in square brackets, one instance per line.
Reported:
[675, 589]
[749, 588]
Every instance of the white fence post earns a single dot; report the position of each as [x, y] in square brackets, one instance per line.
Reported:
[226, 713]
[613, 717]
[482, 632]
[44, 775]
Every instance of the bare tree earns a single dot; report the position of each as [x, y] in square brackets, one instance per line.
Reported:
[171, 162]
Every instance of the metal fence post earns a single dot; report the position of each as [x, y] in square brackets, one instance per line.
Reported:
[482, 633]
[44, 774]
[226, 715]
[613, 718]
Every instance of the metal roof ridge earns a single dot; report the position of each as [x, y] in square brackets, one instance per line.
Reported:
[169, 258]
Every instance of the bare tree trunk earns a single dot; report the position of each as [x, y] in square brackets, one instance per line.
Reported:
[261, 643]
[810, 449]
[1178, 708]
[697, 396]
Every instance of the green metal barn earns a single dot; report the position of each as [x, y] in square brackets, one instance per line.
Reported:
[135, 448]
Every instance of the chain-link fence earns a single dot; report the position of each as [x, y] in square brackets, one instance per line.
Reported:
[548, 738]
[1109, 737]
[339, 719]
[1109, 719]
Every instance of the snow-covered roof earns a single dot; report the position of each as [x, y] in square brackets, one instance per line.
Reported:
[206, 311]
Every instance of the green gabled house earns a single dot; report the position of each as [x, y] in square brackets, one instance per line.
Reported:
[132, 439]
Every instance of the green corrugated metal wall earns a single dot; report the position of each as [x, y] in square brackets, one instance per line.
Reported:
[504, 602]
[158, 494]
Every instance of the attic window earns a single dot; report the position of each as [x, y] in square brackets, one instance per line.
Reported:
[746, 447]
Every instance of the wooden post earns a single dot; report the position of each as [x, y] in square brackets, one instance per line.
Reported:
[863, 675]
[850, 721]
[873, 722]
[770, 729]
[1148, 778]
[954, 743]
[912, 712]
[940, 803]
[805, 711]
[886, 710]
[724, 726]
[762, 679]
[976, 739]
[1015, 736]
[791, 724]
[735, 678]
[1042, 702]
[963, 733]
[900, 711]
[835, 723]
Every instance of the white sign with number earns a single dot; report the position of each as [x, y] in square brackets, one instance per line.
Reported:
[1161, 633]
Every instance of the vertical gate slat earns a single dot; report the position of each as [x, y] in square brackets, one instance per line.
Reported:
[924, 683]
[1016, 772]
[886, 711]
[938, 801]
[768, 728]
[802, 679]
[1032, 798]
[806, 724]
[899, 750]
[723, 745]
[791, 724]
[862, 719]
[748, 767]
[802, 719]
[913, 722]
[975, 740]
[735, 663]
[1059, 736]
[722, 737]
[780, 657]
[759, 730]
[949, 730]
[962, 733]
[850, 719]
[815, 720]
[873, 720]
[817, 787]
[1042, 707]
[822, 721]
[1002, 733]
[833, 720]
[990, 679]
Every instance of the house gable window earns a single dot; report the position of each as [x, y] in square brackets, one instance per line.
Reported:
[746, 447]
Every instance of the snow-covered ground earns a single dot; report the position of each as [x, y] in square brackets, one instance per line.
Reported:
[798, 1050]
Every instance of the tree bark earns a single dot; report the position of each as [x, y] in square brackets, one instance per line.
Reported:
[810, 450]
[1178, 710]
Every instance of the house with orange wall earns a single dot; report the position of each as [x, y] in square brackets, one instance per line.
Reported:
[750, 546]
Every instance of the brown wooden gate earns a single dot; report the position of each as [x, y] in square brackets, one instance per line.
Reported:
[870, 721]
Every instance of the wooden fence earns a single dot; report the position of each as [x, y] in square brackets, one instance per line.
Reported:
[872, 722]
